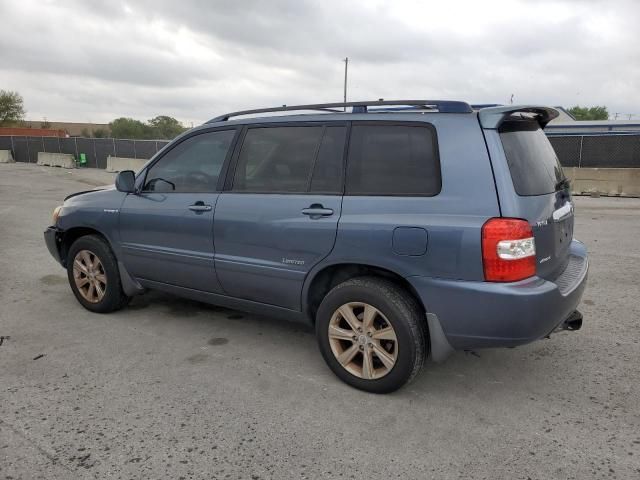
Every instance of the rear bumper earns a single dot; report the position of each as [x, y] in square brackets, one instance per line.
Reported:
[52, 238]
[483, 314]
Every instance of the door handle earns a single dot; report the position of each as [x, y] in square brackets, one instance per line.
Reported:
[200, 207]
[317, 210]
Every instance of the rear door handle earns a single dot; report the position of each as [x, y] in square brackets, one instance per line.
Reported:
[200, 207]
[316, 211]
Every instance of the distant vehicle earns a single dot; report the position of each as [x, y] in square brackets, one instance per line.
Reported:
[400, 229]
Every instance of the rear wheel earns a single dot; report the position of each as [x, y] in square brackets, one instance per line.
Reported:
[371, 334]
[92, 270]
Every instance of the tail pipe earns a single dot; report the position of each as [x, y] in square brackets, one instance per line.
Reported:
[572, 323]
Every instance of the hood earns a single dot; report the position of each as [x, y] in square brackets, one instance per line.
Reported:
[95, 189]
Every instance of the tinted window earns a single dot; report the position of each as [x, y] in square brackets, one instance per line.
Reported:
[392, 160]
[534, 165]
[277, 159]
[329, 166]
[192, 166]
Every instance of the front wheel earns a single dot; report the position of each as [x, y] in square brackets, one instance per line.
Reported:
[92, 270]
[372, 334]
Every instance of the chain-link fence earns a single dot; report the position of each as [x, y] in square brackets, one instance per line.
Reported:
[598, 151]
[601, 150]
[95, 150]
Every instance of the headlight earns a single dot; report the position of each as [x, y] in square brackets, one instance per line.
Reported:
[56, 214]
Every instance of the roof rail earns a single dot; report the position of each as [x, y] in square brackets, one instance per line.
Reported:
[479, 106]
[442, 106]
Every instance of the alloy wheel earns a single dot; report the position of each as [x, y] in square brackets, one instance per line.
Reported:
[89, 276]
[363, 340]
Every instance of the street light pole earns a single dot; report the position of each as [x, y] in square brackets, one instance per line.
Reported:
[346, 66]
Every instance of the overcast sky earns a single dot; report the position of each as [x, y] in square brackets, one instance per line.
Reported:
[193, 59]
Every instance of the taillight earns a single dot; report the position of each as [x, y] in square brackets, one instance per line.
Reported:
[508, 250]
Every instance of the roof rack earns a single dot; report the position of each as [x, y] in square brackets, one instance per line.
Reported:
[442, 106]
[480, 106]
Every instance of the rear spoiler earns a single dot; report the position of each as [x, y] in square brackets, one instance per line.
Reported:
[493, 117]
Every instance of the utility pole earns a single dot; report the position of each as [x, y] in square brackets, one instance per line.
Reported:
[346, 66]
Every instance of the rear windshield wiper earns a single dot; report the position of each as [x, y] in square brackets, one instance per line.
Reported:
[563, 184]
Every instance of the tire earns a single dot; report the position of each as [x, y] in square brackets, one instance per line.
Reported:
[390, 306]
[107, 294]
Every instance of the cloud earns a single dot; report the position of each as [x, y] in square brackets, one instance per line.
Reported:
[194, 59]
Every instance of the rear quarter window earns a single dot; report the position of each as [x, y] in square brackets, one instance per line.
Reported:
[393, 159]
[533, 163]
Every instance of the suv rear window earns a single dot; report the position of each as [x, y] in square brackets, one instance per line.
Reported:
[393, 160]
[534, 165]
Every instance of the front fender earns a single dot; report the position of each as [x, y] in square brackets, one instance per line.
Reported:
[97, 211]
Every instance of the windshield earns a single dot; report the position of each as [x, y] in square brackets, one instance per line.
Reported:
[534, 165]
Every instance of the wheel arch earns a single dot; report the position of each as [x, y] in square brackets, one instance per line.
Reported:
[324, 279]
[130, 286]
[72, 234]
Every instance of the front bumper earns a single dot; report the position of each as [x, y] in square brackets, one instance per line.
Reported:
[483, 314]
[53, 240]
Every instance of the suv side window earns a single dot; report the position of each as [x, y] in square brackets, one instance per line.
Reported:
[393, 160]
[193, 166]
[291, 159]
[277, 159]
[328, 171]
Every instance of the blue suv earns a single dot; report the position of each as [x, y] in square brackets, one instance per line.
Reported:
[400, 229]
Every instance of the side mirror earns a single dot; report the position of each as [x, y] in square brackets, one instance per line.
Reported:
[126, 181]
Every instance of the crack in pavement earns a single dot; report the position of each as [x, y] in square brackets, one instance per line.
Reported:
[50, 456]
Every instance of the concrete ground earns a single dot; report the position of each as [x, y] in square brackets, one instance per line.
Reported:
[169, 388]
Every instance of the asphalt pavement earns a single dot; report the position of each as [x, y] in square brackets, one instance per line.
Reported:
[171, 388]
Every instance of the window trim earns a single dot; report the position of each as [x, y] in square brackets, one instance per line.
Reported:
[316, 154]
[233, 164]
[170, 146]
[392, 123]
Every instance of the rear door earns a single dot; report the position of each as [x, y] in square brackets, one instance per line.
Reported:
[538, 191]
[278, 215]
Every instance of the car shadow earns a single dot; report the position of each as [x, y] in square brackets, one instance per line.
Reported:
[482, 372]
[181, 308]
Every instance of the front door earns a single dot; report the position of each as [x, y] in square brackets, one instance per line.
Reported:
[279, 215]
[166, 230]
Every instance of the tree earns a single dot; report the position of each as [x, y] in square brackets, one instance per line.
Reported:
[85, 133]
[166, 127]
[130, 128]
[11, 107]
[160, 127]
[45, 124]
[100, 133]
[589, 113]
